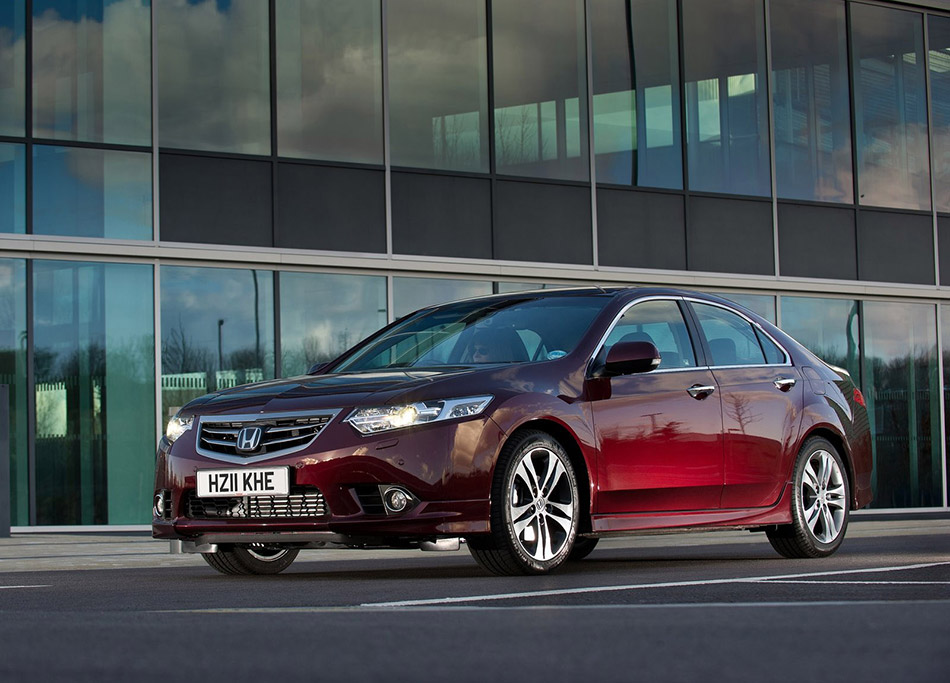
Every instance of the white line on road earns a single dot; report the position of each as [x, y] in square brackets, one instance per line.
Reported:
[640, 586]
[865, 583]
[486, 608]
[10, 587]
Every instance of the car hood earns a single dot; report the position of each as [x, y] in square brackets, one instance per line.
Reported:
[309, 392]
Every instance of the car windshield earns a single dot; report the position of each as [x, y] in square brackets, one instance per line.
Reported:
[482, 332]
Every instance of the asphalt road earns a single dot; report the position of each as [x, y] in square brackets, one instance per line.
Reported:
[671, 608]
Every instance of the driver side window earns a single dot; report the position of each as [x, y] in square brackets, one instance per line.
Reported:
[660, 322]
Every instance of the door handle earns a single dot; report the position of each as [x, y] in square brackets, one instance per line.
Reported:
[784, 383]
[700, 391]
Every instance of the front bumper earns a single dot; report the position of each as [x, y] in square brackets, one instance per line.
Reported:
[446, 467]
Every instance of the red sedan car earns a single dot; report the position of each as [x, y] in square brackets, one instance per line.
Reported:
[529, 425]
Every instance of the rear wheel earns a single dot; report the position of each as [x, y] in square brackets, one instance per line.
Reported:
[821, 502]
[256, 558]
[534, 508]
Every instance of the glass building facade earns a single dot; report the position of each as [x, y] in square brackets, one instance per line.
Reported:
[199, 194]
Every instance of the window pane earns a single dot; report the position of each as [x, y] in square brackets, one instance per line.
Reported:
[12, 188]
[12, 67]
[636, 93]
[726, 107]
[321, 316]
[939, 29]
[329, 80]
[92, 70]
[217, 331]
[438, 75]
[95, 392]
[412, 293]
[890, 107]
[660, 323]
[900, 386]
[731, 339]
[214, 75]
[945, 330]
[539, 58]
[827, 327]
[810, 97]
[13, 374]
[92, 193]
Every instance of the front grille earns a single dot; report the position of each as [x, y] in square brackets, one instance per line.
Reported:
[303, 501]
[280, 434]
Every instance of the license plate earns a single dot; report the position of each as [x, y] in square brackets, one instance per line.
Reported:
[253, 481]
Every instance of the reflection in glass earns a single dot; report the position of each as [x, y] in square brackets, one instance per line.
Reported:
[92, 70]
[636, 93]
[92, 193]
[329, 80]
[323, 315]
[214, 75]
[12, 188]
[726, 107]
[810, 98]
[438, 84]
[939, 30]
[12, 67]
[762, 304]
[890, 107]
[13, 374]
[827, 327]
[95, 392]
[217, 331]
[900, 385]
[412, 293]
[538, 53]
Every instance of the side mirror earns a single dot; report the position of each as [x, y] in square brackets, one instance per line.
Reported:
[316, 368]
[628, 358]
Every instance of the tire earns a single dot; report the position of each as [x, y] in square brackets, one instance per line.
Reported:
[251, 559]
[534, 508]
[821, 503]
[583, 546]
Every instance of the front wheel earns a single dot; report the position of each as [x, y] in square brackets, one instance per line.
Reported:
[821, 502]
[534, 508]
[251, 559]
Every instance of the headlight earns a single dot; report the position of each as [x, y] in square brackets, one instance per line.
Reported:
[177, 426]
[385, 418]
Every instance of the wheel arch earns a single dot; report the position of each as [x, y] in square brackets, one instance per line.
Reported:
[836, 440]
[569, 441]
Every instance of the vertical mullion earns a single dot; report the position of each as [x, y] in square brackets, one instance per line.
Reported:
[684, 151]
[387, 158]
[278, 367]
[156, 209]
[489, 56]
[157, 337]
[771, 133]
[853, 102]
[30, 354]
[930, 150]
[592, 157]
[272, 53]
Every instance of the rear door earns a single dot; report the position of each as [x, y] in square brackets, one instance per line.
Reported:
[761, 394]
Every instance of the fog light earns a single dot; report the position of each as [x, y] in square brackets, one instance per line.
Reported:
[396, 500]
[158, 507]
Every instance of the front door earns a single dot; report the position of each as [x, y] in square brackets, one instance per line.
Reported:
[660, 432]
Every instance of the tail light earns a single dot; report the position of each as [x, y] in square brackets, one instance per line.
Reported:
[859, 398]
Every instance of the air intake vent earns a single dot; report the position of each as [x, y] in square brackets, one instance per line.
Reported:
[303, 501]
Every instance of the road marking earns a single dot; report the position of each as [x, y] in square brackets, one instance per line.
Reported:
[640, 586]
[500, 608]
[11, 587]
